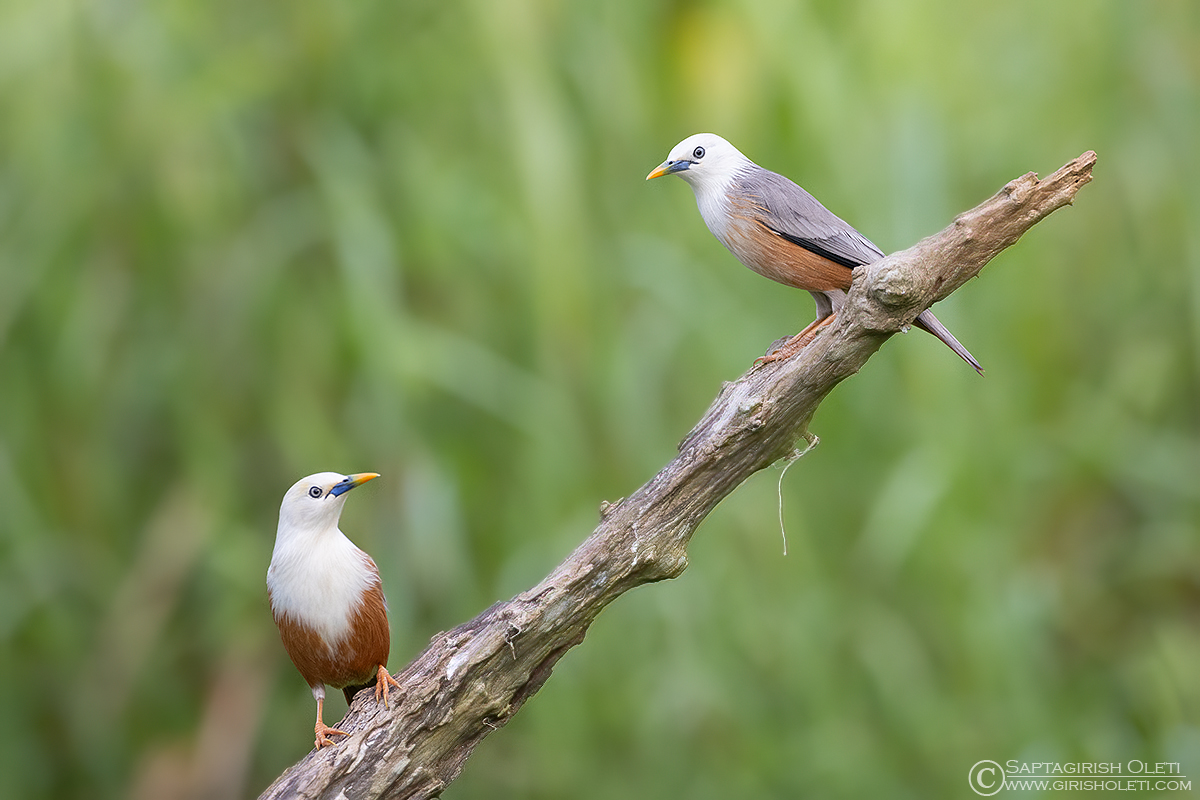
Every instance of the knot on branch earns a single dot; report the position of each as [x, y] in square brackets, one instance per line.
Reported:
[894, 288]
[607, 508]
[1019, 188]
[893, 294]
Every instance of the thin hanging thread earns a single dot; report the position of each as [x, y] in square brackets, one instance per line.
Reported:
[811, 441]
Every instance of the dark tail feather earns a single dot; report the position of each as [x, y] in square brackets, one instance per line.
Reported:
[350, 691]
[928, 322]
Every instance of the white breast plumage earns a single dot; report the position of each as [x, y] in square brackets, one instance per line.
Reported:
[320, 585]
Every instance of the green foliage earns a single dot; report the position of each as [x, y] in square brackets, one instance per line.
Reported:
[244, 242]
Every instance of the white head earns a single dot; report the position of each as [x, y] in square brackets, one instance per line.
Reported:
[314, 504]
[704, 160]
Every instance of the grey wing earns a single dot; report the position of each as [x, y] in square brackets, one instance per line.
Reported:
[800, 218]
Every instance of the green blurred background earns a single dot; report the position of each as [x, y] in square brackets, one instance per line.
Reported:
[243, 242]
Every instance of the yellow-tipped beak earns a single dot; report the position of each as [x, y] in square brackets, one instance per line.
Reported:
[662, 169]
[357, 479]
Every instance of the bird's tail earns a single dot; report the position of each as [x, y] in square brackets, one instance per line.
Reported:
[928, 322]
[350, 691]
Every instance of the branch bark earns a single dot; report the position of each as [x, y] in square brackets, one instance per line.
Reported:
[471, 680]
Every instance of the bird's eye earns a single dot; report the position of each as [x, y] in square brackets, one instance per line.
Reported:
[314, 492]
[698, 153]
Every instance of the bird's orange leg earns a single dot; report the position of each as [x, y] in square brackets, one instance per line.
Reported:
[322, 730]
[382, 679]
[796, 343]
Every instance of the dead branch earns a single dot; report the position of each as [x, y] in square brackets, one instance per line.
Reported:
[471, 680]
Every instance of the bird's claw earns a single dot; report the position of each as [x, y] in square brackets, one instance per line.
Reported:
[784, 351]
[323, 731]
[382, 679]
[785, 348]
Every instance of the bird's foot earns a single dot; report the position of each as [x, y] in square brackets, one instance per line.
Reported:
[783, 349]
[382, 679]
[323, 732]
[788, 349]
[783, 352]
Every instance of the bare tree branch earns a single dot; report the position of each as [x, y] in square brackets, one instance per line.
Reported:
[471, 680]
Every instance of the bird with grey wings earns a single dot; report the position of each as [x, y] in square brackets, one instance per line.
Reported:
[781, 232]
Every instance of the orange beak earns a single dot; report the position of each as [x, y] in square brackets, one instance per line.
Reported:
[659, 171]
[357, 479]
[669, 167]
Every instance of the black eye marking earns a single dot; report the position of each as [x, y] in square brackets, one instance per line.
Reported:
[314, 491]
[698, 153]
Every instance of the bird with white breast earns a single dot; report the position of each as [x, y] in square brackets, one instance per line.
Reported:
[326, 596]
[781, 232]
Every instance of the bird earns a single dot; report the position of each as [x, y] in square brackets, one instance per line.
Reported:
[326, 596]
[780, 231]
